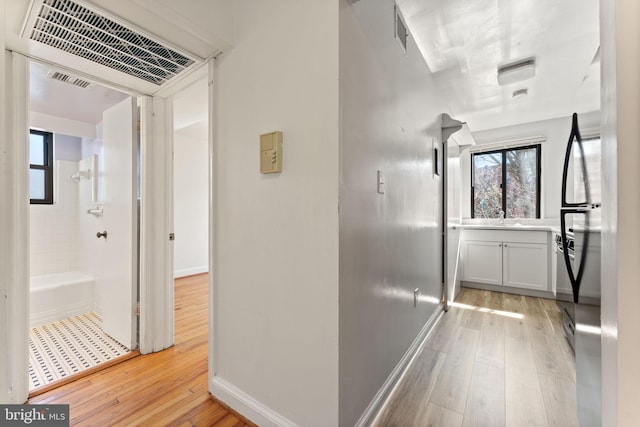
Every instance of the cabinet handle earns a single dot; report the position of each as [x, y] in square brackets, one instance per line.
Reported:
[499, 245]
[505, 245]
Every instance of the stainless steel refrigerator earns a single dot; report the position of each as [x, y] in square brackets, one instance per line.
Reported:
[580, 221]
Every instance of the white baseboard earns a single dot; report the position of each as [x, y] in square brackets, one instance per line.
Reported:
[381, 398]
[246, 405]
[190, 271]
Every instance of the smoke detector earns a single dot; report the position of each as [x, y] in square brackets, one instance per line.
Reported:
[92, 34]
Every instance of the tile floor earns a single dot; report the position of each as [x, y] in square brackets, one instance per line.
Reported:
[64, 348]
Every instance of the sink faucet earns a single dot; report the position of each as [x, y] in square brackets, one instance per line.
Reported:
[501, 216]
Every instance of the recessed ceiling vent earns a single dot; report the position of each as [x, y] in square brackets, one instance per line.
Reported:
[66, 78]
[68, 26]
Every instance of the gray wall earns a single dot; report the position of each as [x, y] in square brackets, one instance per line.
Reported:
[389, 243]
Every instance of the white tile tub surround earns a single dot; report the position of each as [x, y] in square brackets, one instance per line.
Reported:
[60, 295]
[54, 231]
[91, 248]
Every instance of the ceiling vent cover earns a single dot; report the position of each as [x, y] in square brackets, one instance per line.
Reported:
[68, 26]
[66, 78]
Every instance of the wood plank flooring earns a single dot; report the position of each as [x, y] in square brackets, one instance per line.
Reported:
[168, 388]
[493, 360]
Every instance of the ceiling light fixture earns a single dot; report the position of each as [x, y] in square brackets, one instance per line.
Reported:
[520, 93]
[516, 71]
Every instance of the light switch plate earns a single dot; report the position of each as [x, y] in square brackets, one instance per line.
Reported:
[271, 152]
[380, 185]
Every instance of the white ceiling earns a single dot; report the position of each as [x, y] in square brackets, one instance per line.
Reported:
[463, 42]
[62, 99]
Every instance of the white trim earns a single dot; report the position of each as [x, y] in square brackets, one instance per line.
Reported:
[4, 223]
[244, 404]
[190, 271]
[510, 143]
[14, 228]
[213, 146]
[383, 396]
[183, 80]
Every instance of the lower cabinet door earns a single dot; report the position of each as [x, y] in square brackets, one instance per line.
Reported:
[524, 265]
[482, 262]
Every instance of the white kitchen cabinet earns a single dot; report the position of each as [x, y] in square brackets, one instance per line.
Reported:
[513, 259]
[482, 262]
[524, 265]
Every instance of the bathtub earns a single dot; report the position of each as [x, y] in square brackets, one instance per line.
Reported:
[60, 295]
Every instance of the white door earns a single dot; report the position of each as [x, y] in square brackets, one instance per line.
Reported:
[117, 280]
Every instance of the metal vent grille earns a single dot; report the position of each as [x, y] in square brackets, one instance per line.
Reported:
[401, 32]
[75, 29]
[56, 75]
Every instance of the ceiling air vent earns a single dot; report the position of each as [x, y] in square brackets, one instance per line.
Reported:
[66, 78]
[68, 26]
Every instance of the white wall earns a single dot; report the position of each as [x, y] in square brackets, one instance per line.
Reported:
[61, 125]
[54, 230]
[276, 236]
[67, 147]
[620, 36]
[556, 132]
[191, 204]
[54, 233]
[390, 244]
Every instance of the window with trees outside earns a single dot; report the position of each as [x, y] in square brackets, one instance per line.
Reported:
[506, 182]
[41, 167]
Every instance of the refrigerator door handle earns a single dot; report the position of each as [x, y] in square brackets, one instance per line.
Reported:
[575, 137]
[575, 277]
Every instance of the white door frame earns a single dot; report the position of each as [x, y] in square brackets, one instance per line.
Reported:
[156, 222]
[212, 219]
[14, 228]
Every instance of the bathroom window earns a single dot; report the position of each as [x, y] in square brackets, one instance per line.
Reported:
[41, 167]
[506, 182]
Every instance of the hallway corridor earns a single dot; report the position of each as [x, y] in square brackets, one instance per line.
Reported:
[494, 359]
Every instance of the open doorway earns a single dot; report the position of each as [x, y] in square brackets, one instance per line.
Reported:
[83, 227]
[191, 177]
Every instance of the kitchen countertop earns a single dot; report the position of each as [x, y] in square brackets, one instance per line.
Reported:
[507, 227]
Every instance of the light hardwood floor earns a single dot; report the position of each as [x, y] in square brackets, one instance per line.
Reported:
[493, 360]
[158, 389]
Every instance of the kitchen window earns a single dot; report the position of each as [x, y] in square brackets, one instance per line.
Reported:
[41, 167]
[506, 182]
